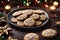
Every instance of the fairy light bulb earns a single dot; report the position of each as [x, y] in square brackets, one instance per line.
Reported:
[8, 0]
[55, 3]
[52, 8]
[7, 7]
[45, 0]
[38, 2]
[27, 4]
[46, 6]
[17, 6]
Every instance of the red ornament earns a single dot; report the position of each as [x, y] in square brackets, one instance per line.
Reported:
[45, 5]
[35, 2]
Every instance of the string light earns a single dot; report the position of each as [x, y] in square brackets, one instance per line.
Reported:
[52, 8]
[24, 2]
[17, 6]
[8, 0]
[7, 7]
[45, 5]
[27, 4]
[38, 2]
[45, 0]
[55, 3]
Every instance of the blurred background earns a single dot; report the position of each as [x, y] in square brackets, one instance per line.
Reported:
[9, 4]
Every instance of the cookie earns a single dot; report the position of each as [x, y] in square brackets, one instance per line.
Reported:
[29, 22]
[57, 23]
[13, 19]
[43, 17]
[34, 16]
[17, 13]
[20, 23]
[38, 23]
[31, 36]
[22, 17]
[28, 12]
[49, 33]
[39, 11]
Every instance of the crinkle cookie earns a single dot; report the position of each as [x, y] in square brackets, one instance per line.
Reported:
[29, 22]
[17, 13]
[34, 16]
[14, 19]
[43, 17]
[31, 36]
[20, 23]
[38, 23]
[22, 17]
[48, 33]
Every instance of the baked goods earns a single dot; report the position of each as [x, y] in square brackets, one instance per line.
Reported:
[34, 16]
[28, 12]
[31, 36]
[38, 11]
[38, 23]
[13, 19]
[22, 17]
[43, 17]
[29, 17]
[29, 22]
[49, 33]
[17, 13]
[20, 23]
[57, 23]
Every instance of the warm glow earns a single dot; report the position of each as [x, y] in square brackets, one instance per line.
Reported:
[55, 3]
[7, 7]
[46, 6]
[38, 2]
[18, 6]
[45, 0]
[8, 0]
[52, 8]
[27, 4]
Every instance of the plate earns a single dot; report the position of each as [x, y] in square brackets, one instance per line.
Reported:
[9, 16]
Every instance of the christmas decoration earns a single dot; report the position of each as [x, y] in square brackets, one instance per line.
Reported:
[7, 7]
[10, 38]
[45, 5]
[24, 2]
[18, 6]
[19, 3]
[55, 3]
[4, 29]
[52, 8]
[3, 36]
[8, 0]
[27, 4]
[45, 0]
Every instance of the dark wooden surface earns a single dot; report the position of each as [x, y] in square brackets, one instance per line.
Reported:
[19, 34]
